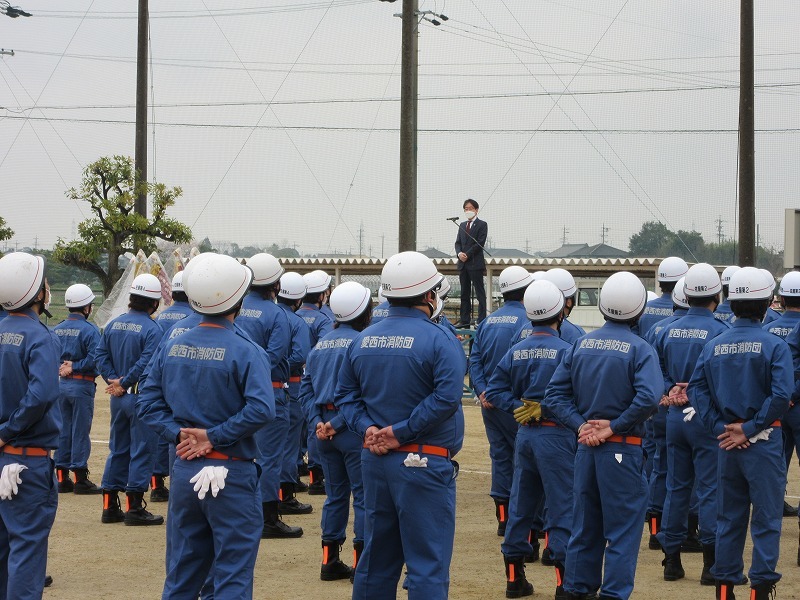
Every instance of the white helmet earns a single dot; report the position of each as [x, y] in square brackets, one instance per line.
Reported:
[790, 284]
[317, 281]
[215, 283]
[563, 280]
[444, 289]
[749, 283]
[146, 286]
[672, 268]
[177, 282]
[543, 300]
[78, 296]
[768, 276]
[21, 279]
[293, 286]
[702, 281]
[349, 300]
[514, 278]
[727, 272]
[679, 294]
[409, 274]
[266, 268]
[622, 297]
[537, 275]
[651, 295]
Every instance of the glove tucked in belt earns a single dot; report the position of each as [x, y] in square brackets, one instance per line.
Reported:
[10, 480]
[209, 477]
[529, 411]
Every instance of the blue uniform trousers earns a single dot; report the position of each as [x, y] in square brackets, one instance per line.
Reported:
[658, 474]
[501, 429]
[791, 433]
[341, 464]
[131, 447]
[25, 523]
[76, 402]
[755, 476]
[162, 458]
[410, 517]
[609, 504]
[270, 440]
[648, 447]
[291, 448]
[691, 464]
[543, 472]
[311, 444]
[224, 532]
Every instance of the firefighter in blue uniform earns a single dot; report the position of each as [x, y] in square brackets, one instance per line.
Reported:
[208, 391]
[691, 450]
[741, 388]
[606, 387]
[293, 289]
[177, 311]
[380, 312]
[545, 450]
[439, 317]
[338, 448]
[317, 285]
[29, 424]
[410, 438]
[268, 326]
[771, 314]
[78, 372]
[564, 281]
[724, 312]
[126, 347]
[493, 338]
[680, 306]
[325, 309]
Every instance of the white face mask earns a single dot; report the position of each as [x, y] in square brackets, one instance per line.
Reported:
[470, 214]
[47, 298]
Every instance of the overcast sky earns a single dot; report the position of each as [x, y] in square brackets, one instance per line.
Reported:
[650, 132]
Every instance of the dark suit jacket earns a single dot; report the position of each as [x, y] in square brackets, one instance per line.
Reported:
[467, 245]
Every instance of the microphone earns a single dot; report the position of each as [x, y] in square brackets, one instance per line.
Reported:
[453, 219]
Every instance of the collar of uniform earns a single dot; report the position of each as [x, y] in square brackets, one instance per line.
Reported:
[790, 314]
[543, 330]
[309, 306]
[217, 322]
[700, 311]
[27, 312]
[406, 311]
[76, 317]
[747, 323]
[615, 325]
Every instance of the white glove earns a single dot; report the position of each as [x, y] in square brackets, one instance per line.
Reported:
[10, 480]
[761, 435]
[690, 412]
[413, 460]
[209, 477]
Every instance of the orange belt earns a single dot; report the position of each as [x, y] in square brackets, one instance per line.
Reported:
[773, 424]
[277, 384]
[25, 451]
[221, 456]
[424, 449]
[625, 439]
[330, 406]
[79, 376]
[294, 379]
[542, 423]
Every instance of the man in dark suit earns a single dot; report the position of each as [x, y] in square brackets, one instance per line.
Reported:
[471, 264]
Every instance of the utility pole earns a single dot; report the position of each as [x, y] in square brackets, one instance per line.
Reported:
[141, 109]
[408, 129]
[564, 236]
[361, 239]
[527, 246]
[719, 223]
[603, 232]
[383, 235]
[747, 163]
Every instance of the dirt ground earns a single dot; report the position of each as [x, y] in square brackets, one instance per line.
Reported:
[90, 560]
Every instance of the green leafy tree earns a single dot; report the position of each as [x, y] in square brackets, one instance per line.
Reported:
[6, 233]
[110, 187]
[652, 237]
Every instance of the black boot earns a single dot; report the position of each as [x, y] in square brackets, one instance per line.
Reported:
[692, 542]
[654, 520]
[764, 591]
[673, 569]
[358, 548]
[274, 527]
[560, 593]
[316, 481]
[547, 556]
[789, 510]
[48, 581]
[83, 485]
[533, 540]
[709, 558]
[158, 491]
[289, 505]
[112, 511]
[516, 584]
[725, 590]
[300, 486]
[333, 568]
[501, 513]
[137, 513]
[65, 485]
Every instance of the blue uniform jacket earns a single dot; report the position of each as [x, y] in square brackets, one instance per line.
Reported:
[318, 386]
[744, 374]
[771, 315]
[29, 359]
[176, 312]
[79, 340]
[783, 326]
[724, 312]
[611, 373]
[679, 344]
[652, 334]
[406, 372]
[318, 323]
[569, 332]
[210, 377]
[493, 338]
[526, 369]
[380, 312]
[126, 346]
[267, 326]
[300, 341]
[326, 310]
[654, 311]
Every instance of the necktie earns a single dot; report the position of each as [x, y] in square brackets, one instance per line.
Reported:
[469, 226]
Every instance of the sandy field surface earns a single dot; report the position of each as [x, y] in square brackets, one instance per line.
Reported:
[90, 560]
